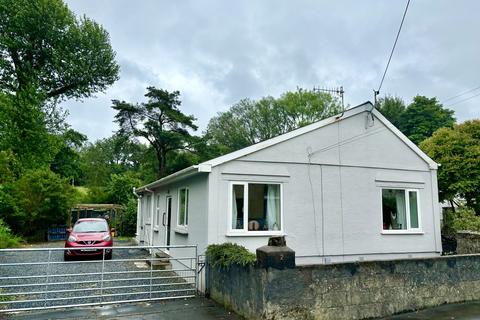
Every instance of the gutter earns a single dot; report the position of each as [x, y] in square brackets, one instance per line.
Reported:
[192, 170]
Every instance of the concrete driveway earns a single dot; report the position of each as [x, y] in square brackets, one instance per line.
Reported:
[195, 308]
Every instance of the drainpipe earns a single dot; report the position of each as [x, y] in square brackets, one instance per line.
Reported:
[152, 208]
[139, 213]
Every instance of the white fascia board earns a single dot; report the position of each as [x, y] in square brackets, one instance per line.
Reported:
[432, 164]
[171, 178]
[289, 135]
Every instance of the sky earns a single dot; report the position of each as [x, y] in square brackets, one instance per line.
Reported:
[218, 52]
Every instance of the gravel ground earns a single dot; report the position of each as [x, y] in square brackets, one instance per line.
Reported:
[78, 290]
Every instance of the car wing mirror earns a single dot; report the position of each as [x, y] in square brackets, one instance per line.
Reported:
[69, 230]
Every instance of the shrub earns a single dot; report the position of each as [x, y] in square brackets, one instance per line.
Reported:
[128, 225]
[463, 219]
[7, 239]
[228, 254]
[42, 199]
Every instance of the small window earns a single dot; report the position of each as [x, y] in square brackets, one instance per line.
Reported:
[183, 207]
[256, 207]
[157, 212]
[400, 209]
[148, 210]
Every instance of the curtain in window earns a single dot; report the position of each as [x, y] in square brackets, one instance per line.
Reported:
[273, 207]
[234, 209]
[401, 216]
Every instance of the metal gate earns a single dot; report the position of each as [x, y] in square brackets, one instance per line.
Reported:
[39, 278]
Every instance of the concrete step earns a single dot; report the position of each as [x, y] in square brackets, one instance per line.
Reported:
[160, 261]
[159, 264]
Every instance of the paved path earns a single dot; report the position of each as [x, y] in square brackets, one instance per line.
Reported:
[196, 308]
[462, 311]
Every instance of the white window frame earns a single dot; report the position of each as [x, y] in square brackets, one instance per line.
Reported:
[156, 220]
[148, 209]
[245, 231]
[409, 229]
[185, 225]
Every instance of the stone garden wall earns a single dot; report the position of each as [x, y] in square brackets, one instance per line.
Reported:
[346, 291]
[468, 242]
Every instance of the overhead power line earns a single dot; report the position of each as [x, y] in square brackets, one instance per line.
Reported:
[463, 100]
[461, 94]
[393, 48]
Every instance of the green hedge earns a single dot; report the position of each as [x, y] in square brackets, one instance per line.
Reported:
[7, 239]
[228, 254]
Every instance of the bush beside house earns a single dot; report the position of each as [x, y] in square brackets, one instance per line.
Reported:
[7, 238]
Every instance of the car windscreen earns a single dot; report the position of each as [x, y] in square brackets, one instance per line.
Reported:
[90, 226]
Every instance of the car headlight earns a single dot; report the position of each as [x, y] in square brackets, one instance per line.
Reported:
[71, 239]
[106, 237]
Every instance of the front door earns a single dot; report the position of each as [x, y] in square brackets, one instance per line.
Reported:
[168, 219]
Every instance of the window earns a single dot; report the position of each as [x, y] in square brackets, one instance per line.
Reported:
[148, 209]
[400, 209]
[157, 212]
[255, 207]
[182, 220]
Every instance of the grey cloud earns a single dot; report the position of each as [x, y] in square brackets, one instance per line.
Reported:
[217, 52]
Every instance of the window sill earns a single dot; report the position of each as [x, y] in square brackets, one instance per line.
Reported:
[256, 234]
[402, 232]
[180, 230]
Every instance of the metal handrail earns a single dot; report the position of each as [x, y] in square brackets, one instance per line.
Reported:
[93, 274]
[89, 281]
[98, 303]
[93, 289]
[99, 261]
[96, 296]
[94, 247]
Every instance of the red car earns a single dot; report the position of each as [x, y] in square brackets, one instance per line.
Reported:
[85, 235]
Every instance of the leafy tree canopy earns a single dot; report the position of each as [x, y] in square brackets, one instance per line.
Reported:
[423, 117]
[249, 122]
[420, 119]
[67, 161]
[392, 108]
[45, 46]
[457, 150]
[39, 199]
[159, 121]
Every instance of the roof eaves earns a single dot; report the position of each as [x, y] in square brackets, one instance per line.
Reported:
[189, 171]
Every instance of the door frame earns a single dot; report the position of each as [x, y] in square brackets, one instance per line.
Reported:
[168, 221]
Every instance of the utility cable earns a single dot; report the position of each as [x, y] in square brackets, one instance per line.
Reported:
[460, 94]
[394, 45]
[463, 100]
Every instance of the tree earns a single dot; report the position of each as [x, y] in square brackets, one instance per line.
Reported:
[66, 162]
[457, 150]
[44, 47]
[392, 108]
[249, 122]
[423, 117]
[23, 130]
[37, 200]
[159, 121]
[120, 188]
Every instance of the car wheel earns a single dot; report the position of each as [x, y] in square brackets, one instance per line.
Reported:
[66, 257]
[108, 256]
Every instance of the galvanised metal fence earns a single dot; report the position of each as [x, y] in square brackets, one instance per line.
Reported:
[39, 278]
